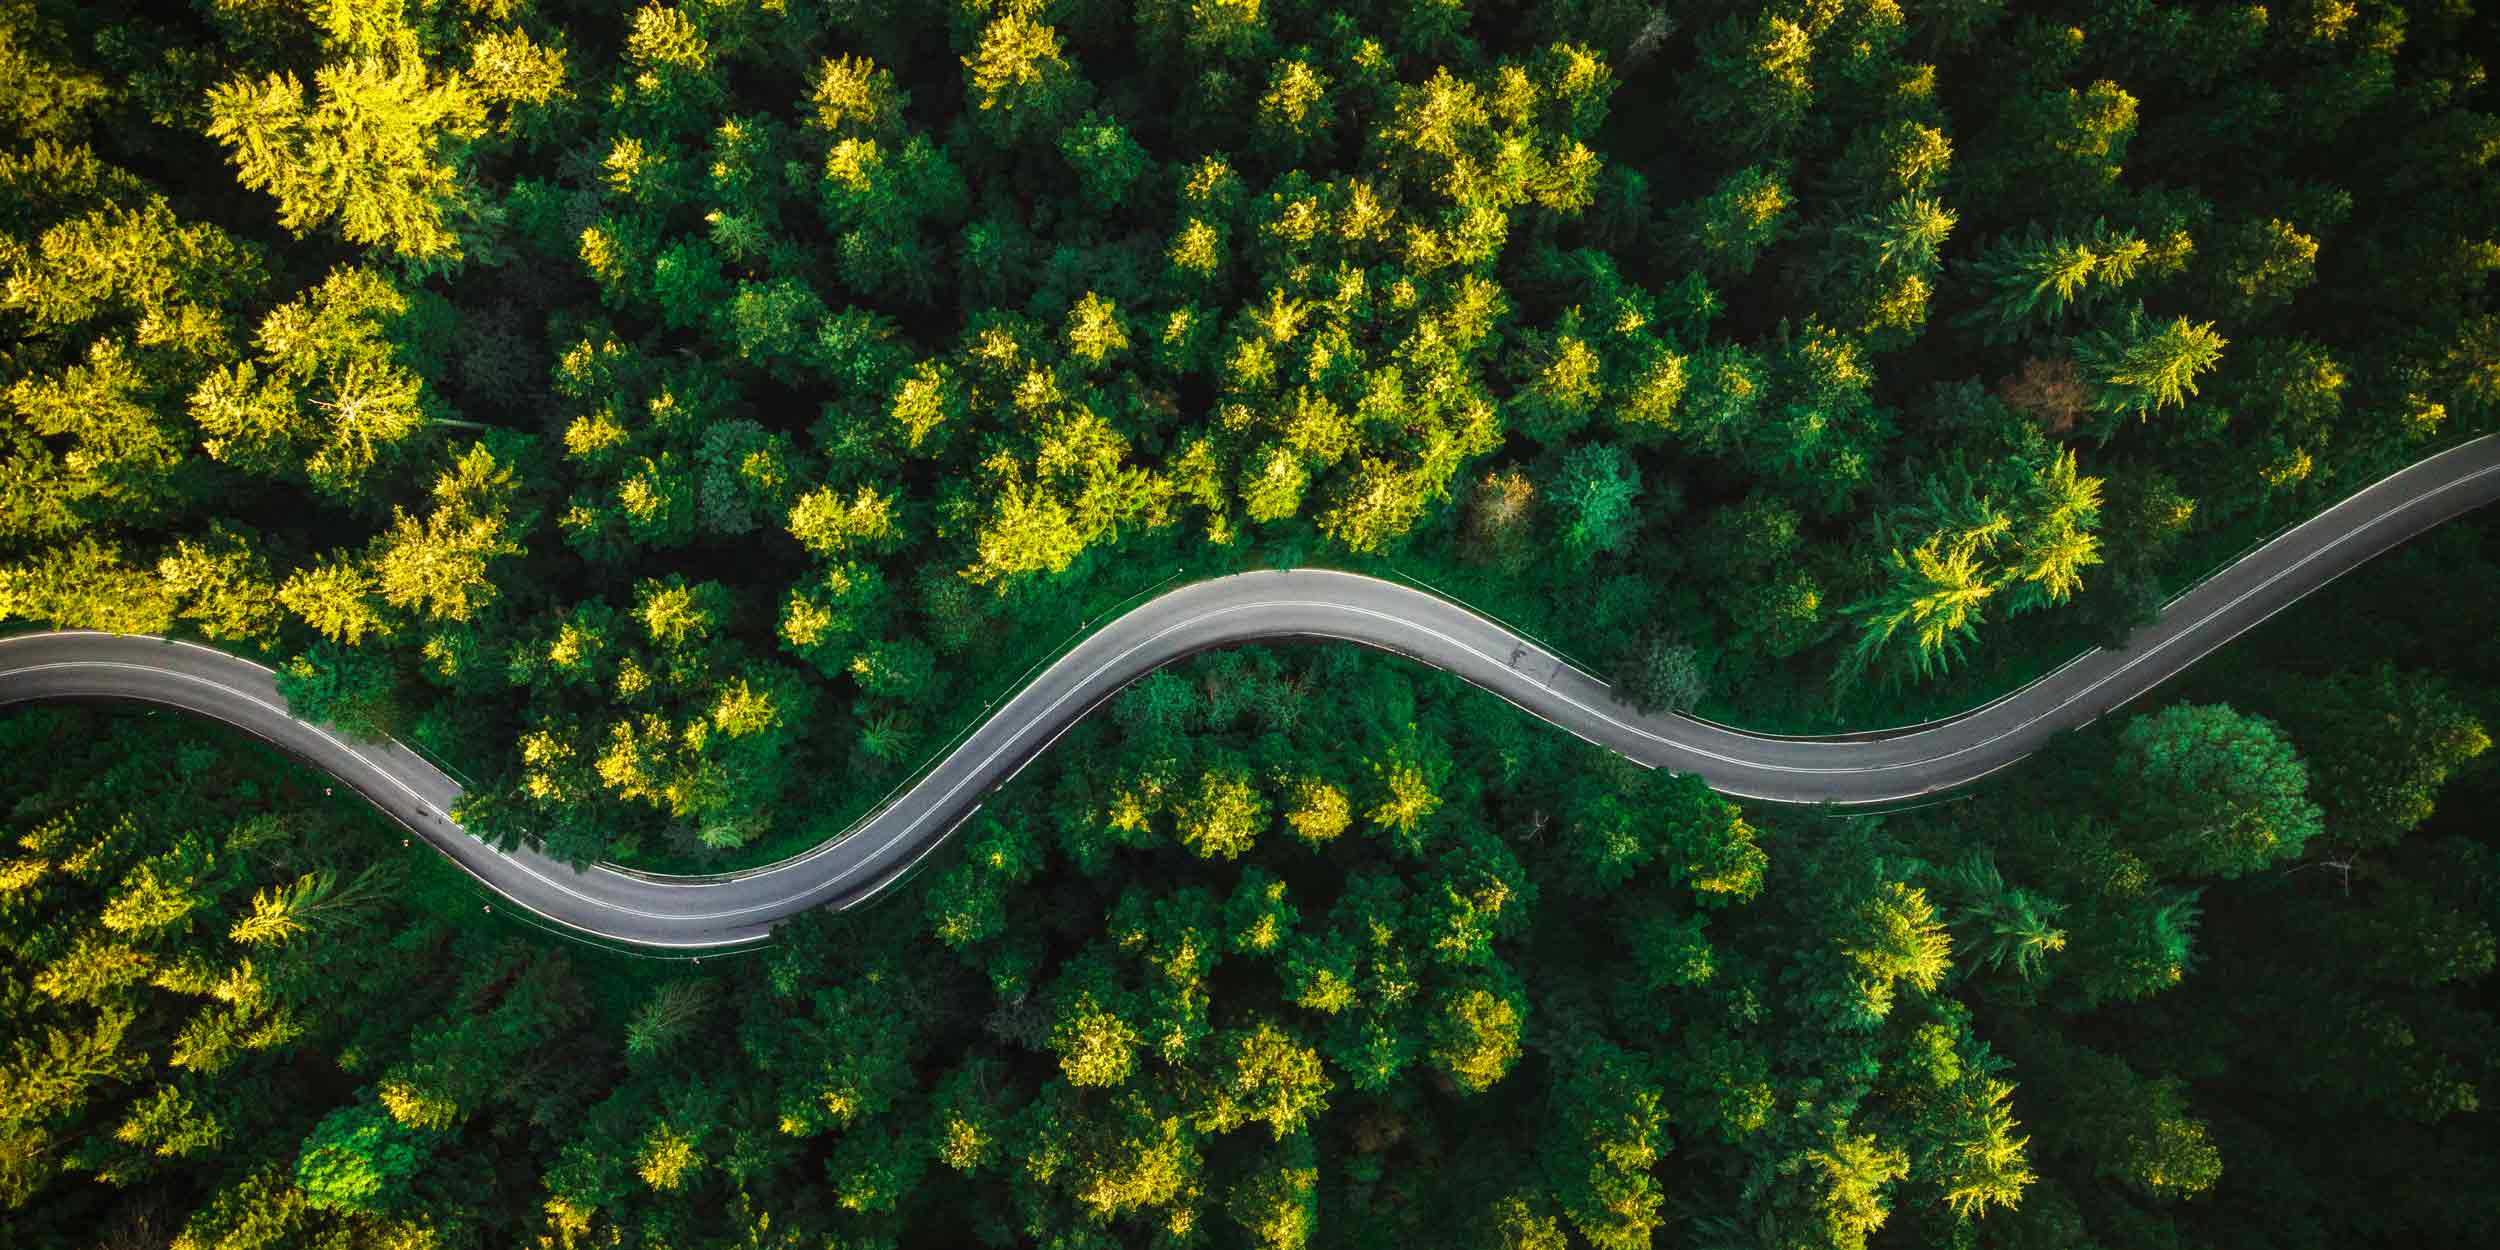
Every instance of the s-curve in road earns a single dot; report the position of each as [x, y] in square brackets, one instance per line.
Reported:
[695, 913]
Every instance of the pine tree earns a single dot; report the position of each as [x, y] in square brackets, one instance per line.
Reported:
[440, 567]
[1019, 81]
[377, 148]
[2143, 368]
[331, 395]
[1223, 817]
[2028, 281]
[315, 901]
[1594, 491]
[1896, 936]
[2231, 792]
[1935, 599]
[1475, 1037]
[2001, 927]
[668, 1018]
[1750, 90]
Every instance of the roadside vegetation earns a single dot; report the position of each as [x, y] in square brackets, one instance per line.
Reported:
[1201, 977]
[683, 418]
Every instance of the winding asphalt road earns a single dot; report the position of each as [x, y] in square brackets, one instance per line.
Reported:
[694, 913]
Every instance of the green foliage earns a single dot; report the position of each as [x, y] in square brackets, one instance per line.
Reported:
[2379, 744]
[2143, 368]
[375, 148]
[1733, 224]
[1594, 491]
[854, 353]
[2001, 927]
[1752, 87]
[2233, 791]
[1667, 676]
[315, 902]
[1475, 1038]
[1607, 1130]
[355, 1160]
[1938, 592]
[1223, 817]
[358, 691]
[1017, 79]
[1896, 937]
[330, 396]
[1106, 160]
[2033, 282]
[667, 1021]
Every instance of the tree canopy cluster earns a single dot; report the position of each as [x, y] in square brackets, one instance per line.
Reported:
[681, 417]
[1209, 975]
[662, 410]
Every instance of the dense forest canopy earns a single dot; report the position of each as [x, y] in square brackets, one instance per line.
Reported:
[674, 416]
[1507, 991]
[680, 419]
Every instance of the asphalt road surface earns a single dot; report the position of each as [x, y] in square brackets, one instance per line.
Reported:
[694, 913]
